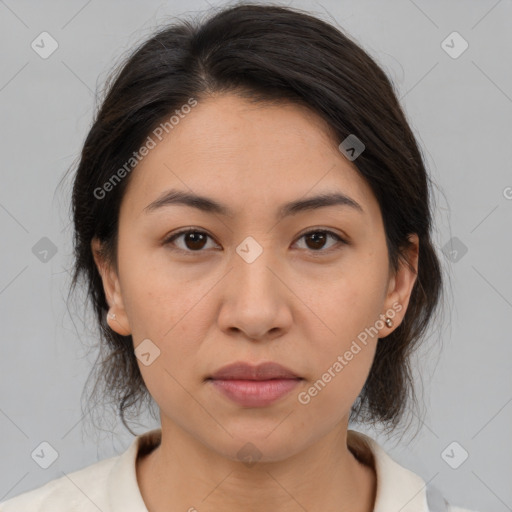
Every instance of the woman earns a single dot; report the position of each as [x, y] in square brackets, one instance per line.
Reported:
[253, 224]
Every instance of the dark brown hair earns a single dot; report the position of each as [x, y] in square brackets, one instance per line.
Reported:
[264, 53]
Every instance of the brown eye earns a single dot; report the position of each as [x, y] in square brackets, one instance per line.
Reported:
[193, 240]
[316, 240]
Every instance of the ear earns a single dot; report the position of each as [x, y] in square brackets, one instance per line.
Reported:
[112, 289]
[401, 284]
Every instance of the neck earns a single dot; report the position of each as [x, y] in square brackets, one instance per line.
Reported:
[183, 474]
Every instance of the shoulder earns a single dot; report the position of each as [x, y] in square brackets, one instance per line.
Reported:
[109, 485]
[398, 488]
[81, 491]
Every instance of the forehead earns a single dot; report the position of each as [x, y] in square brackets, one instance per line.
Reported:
[230, 148]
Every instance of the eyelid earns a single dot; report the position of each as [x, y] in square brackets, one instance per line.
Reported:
[172, 236]
[342, 239]
[314, 229]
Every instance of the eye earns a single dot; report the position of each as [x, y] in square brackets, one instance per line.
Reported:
[194, 239]
[317, 239]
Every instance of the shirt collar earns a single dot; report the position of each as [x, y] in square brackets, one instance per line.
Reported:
[123, 488]
[398, 489]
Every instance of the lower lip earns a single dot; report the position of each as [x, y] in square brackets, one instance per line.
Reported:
[255, 393]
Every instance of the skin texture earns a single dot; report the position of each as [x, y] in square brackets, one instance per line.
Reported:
[300, 303]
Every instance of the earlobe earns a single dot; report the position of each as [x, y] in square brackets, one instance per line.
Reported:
[116, 316]
[402, 282]
[118, 322]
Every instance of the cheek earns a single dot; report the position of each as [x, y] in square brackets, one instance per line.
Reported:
[342, 355]
[159, 301]
[341, 333]
[348, 305]
[175, 316]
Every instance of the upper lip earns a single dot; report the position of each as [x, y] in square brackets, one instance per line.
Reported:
[247, 371]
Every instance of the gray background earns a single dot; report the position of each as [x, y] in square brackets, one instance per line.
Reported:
[459, 108]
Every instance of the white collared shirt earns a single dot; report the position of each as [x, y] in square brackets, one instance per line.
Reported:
[111, 485]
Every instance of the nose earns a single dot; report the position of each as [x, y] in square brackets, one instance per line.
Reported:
[255, 299]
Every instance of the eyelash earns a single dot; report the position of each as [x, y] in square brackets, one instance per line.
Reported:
[170, 239]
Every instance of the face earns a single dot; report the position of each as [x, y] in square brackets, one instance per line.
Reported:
[254, 281]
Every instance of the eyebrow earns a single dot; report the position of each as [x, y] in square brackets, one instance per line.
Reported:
[206, 204]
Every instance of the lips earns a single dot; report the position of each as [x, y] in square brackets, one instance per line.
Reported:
[246, 371]
[254, 386]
